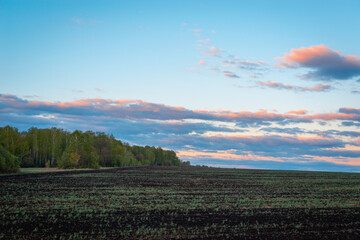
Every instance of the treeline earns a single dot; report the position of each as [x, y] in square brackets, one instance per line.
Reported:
[56, 147]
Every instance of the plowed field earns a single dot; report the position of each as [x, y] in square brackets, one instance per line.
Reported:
[180, 203]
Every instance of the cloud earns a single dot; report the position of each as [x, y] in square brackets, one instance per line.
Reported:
[298, 112]
[31, 96]
[99, 90]
[255, 69]
[197, 30]
[339, 133]
[205, 41]
[279, 85]
[224, 155]
[326, 64]
[250, 66]
[350, 124]
[278, 145]
[326, 134]
[200, 134]
[333, 116]
[292, 131]
[137, 109]
[230, 74]
[313, 165]
[202, 62]
[213, 52]
[355, 91]
[265, 147]
[350, 110]
[356, 142]
[214, 49]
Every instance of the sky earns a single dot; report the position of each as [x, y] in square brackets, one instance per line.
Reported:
[240, 84]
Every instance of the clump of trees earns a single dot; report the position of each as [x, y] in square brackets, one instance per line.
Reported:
[54, 147]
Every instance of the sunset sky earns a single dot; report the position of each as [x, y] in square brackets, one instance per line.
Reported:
[243, 84]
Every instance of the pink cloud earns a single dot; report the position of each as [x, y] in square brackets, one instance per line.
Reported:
[336, 160]
[214, 49]
[226, 155]
[326, 64]
[279, 85]
[246, 115]
[304, 55]
[357, 142]
[333, 116]
[137, 109]
[31, 96]
[298, 112]
[213, 52]
[273, 140]
[230, 74]
[202, 62]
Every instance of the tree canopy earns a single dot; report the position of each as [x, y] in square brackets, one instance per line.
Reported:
[54, 147]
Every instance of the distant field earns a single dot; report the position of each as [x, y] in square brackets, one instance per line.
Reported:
[180, 203]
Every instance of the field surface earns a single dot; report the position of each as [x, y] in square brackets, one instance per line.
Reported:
[180, 203]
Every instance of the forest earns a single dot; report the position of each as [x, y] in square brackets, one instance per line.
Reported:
[55, 147]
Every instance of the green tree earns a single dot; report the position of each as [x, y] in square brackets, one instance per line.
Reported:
[8, 161]
[56, 147]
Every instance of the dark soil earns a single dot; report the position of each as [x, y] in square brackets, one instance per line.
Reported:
[180, 203]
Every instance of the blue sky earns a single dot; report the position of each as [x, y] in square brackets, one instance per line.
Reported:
[232, 82]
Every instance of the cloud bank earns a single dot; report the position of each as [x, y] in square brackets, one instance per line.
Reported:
[240, 137]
